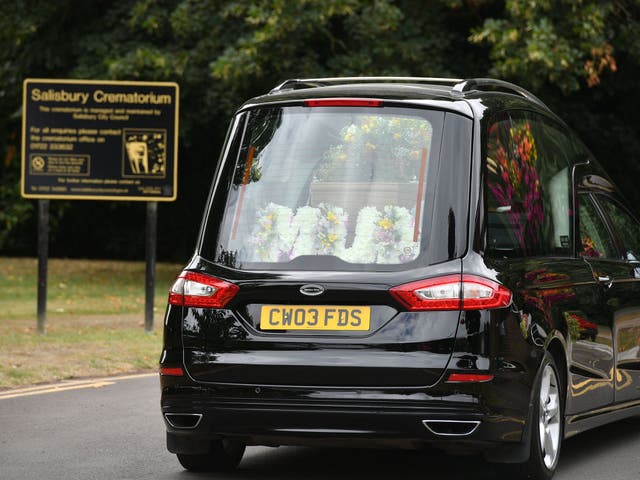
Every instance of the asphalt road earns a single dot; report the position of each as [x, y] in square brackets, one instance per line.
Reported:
[112, 429]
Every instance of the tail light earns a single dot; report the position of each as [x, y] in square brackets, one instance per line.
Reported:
[343, 102]
[452, 292]
[171, 371]
[469, 378]
[193, 289]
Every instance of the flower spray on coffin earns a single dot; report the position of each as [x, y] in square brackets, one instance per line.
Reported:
[394, 236]
[363, 249]
[383, 237]
[331, 230]
[273, 234]
[376, 148]
[319, 231]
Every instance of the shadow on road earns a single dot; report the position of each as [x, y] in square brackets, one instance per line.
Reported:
[364, 464]
[606, 442]
[315, 463]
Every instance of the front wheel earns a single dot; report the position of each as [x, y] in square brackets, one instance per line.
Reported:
[224, 456]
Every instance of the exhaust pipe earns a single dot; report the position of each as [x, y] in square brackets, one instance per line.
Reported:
[451, 428]
[183, 420]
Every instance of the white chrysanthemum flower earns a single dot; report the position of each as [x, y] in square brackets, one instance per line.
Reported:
[271, 233]
[363, 247]
[303, 225]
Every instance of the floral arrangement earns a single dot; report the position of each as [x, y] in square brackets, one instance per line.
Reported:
[579, 325]
[380, 236]
[516, 183]
[280, 236]
[393, 235]
[589, 247]
[542, 276]
[363, 249]
[271, 236]
[383, 148]
[319, 231]
[331, 230]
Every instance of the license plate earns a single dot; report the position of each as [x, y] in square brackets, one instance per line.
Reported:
[314, 317]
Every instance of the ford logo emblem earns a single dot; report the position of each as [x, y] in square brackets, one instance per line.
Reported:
[312, 290]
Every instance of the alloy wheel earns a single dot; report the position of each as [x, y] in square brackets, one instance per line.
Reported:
[549, 417]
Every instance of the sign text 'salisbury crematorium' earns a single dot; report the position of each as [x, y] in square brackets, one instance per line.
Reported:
[85, 139]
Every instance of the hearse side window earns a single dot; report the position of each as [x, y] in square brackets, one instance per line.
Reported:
[627, 227]
[595, 239]
[527, 187]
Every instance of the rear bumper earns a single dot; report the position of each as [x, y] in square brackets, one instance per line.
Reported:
[449, 418]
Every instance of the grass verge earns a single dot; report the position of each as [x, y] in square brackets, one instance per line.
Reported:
[95, 319]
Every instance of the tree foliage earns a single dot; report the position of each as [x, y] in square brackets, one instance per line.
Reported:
[566, 43]
[581, 56]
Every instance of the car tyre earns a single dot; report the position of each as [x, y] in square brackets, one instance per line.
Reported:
[224, 456]
[548, 425]
[547, 428]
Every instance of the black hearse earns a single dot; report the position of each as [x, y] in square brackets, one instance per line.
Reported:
[403, 262]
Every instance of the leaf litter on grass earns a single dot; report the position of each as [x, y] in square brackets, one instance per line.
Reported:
[95, 318]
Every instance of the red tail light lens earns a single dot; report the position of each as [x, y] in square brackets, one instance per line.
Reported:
[171, 371]
[452, 292]
[469, 378]
[193, 289]
[343, 102]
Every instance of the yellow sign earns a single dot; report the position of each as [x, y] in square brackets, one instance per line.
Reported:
[100, 140]
[314, 317]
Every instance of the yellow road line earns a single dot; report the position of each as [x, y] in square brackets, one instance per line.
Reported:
[72, 385]
[53, 389]
[129, 377]
[45, 386]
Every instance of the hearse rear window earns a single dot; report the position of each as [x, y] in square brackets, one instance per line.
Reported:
[338, 184]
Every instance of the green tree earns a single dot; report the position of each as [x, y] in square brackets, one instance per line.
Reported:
[566, 43]
[223, 52]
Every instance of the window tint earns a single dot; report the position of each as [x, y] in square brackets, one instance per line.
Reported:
[626, 226]
[528, 187]
[594, 236]
[351, 187]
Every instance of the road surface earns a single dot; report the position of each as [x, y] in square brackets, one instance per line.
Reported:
[112, 429]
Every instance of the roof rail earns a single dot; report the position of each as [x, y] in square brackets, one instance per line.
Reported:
[459, 86]
[488, 84]
[298, 83]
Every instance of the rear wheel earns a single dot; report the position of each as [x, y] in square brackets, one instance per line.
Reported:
[547, 429]
[224, 455]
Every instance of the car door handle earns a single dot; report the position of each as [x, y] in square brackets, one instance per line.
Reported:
[605, 280]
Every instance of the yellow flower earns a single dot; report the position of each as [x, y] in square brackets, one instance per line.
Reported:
[269, 221]
[332, 217]
[327, 240]
[385, 223]
[370, 146]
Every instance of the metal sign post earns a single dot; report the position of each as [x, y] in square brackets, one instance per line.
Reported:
[99, 140]
[150, 273]
[43, 259]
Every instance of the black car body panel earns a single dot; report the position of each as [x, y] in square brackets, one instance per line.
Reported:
[514, 199]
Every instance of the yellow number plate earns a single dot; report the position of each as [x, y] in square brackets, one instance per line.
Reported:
[314, 317]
